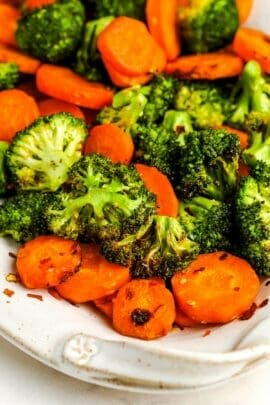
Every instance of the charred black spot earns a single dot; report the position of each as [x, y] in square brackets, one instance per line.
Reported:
[224, 256]
[140, 316]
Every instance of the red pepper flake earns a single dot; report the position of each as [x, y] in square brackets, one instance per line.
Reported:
[35, 296]
[263, 303]
[52, 291]
[267, 283]
[223, 256]
[12, 255]
[207, 333]
[249, 313]
[8, 292]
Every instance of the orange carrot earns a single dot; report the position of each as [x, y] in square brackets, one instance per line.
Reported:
[9, 17]
[215, 288]
[243, 169]
[18, 110]
[54, 106]
[30, 88]
[105, 304]
[242, 136]
[111, 141]
[143, 309]
[252, 44]
[159, 184]
[38, 3]
[244, 9]
[47, 260]
[182, 320]
[26, 63]
[95, 279]
[162, 21]
[132, 57]
[207, 66]
[62, 83]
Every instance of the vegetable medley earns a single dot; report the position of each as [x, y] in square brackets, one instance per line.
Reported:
[135, 157]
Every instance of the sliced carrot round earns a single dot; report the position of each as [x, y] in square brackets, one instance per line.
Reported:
[9, 17]
[182, 320]
[242, 136]
[96, 277]
[26, 64]
[62, 83]
[38, 3]
[215, 288]
[18, 110]
[244, 9]
[105, 304]
[47, 260]
[54, 106]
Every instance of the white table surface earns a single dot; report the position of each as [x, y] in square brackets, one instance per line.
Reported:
[24, 381]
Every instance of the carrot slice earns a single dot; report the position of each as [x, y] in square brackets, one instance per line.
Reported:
[111, 141]
[252, 44]
[208, 66]
[38, 3]
[105, 304]
[159, 184]
[47, 260]
[183, 3]
[62, 83]
[244, 9]
[18, 110]
[127, 45]
[26, 63]
[162, 21]
[159, 58]
[216, 288]
[243, 169]
[9, 17]
[242, 136]
[182, 320]
[96, 277]
[143, 309]
[54, 106]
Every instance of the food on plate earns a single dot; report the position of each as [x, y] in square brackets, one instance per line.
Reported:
[134, 157]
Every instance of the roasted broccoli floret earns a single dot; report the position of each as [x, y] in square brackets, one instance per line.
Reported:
[207, 25]
[9, 75]
[41, 154]
[207, 222]
[207, 103]
[3, 178]
[100, 200]
[252, 213]
[130, 8]
[88, 60]
[251, 94]
[53, 32]
[207, 164]
[160, 248]
[22, 216]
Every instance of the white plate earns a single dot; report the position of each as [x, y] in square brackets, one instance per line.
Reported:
[82, 344]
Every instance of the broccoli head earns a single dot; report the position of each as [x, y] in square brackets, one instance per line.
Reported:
[207, 25]
[9, 75]
[100, 200]
[129, 8]
[207, 164]
[207, 103]
[3, 177]
[41, 154]
[251, 94]
[207, 222]
[22, 216]
[160, 248]
[53, 32]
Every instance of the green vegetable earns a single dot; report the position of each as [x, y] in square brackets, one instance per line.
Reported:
[9, 75]
[53, 32]
[41, 154]
[3, 176]
[129, 8]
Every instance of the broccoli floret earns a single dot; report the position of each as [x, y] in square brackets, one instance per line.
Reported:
[207, 25]
[160, 248]
[88, 60]
[41, 154]
[207, 222]
[9, 75]
[207, 164]
[22, 216]
[100, 200]
[53, 32]
[207, 103]
[129, 8]
[251, 94]
[3, 177]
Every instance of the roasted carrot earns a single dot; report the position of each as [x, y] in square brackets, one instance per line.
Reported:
[207, 66]
[162, 21]
[105, 304]
[38, 3]
[243, 169]
[54, 106]
[182, 320]
[29, 87]
[143, 309]
[9, 17]
[47, 260]
[252, 44]
[96, 277]
[159, 184]
[18, 110]
[26, 63]
[133, 56]
[244, 9]
[111, 141]
[183, 3]
[159, 59]
[242, 136]
[62, 83]
[215, 288]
